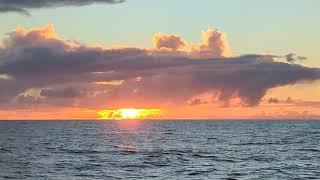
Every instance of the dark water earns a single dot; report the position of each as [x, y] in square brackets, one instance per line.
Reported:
[160, 150]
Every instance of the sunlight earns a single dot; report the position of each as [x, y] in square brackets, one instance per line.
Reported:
[129, 113]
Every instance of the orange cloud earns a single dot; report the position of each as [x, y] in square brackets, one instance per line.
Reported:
[46, 32]
[214, 44]
[44, 37]
[170, 42]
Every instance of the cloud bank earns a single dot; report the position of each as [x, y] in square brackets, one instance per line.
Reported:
[22, 6]
[38, 66]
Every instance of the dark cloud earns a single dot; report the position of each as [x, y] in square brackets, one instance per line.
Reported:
[60, 93]
[4, 9]
[22, 6]
[295, 102]
[293, 58]
[38, 59]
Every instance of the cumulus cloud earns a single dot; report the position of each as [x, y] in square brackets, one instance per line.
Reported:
[171, 42]
[58, 68]
[214, 44]
[22, 6]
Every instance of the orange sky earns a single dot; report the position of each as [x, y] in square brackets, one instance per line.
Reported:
[206, 111]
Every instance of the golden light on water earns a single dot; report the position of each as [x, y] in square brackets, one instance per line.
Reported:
[129, 113]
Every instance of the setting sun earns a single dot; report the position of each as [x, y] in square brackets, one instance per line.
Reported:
[130, 113]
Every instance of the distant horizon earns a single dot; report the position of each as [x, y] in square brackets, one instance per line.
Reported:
[178, 119]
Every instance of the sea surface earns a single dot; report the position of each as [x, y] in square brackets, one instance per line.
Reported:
[160, 149]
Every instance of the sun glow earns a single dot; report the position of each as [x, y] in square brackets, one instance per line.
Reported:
[130, 113]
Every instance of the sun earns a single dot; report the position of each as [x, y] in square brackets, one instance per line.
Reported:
[129, 113]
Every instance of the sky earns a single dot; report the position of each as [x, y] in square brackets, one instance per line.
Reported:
[190, 59]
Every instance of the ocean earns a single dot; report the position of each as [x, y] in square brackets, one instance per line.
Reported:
[193, 149]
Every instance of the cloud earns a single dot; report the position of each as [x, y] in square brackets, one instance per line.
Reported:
[196, 101]
[273, 101]
[5, 9]
[170, 42]
[214, 44]
[293, 58]
[295, 102]
[39, 59]
[22, 6]
[60, 93]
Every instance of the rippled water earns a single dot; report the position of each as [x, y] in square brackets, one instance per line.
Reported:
[160, 149]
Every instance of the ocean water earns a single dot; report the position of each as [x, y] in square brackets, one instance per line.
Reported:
[160, 150]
